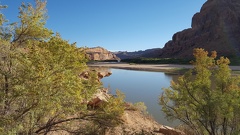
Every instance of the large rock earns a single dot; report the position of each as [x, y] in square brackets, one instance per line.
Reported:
[215, 27]
[101, 72]
[99, 53]
[101, 96]
[169, 131]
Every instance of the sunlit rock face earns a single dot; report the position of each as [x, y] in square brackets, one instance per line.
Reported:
[215, 27]
[99, 53]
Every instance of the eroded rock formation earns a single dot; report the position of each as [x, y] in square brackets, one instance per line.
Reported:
[215, 27]
[99, 53]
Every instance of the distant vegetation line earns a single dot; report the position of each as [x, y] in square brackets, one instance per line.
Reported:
[234, 61]
[149, 61]
[157, 61]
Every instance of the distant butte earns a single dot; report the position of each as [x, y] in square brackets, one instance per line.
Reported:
[100, 54]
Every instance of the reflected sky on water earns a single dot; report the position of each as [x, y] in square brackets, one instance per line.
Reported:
[141, 86]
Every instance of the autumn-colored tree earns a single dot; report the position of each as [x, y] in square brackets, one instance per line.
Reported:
[207, 98]
[40, 87]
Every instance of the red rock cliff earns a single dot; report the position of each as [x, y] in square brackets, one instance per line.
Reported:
[215, 27]
[99, 53]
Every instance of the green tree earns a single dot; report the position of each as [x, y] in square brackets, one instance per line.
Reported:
[40, 87]
[207, 98]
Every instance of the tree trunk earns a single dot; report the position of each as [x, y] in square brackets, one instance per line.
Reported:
[6, 91]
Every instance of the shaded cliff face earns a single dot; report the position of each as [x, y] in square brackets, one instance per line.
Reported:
[99, 53]
[215, 27]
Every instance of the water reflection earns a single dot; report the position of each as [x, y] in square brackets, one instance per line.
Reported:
[141, 86]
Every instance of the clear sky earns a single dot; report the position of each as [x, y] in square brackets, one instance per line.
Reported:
[117, 25]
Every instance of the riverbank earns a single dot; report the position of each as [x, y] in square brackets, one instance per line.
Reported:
[167, 68]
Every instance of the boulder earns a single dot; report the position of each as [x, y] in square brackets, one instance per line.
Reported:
[169, 131]
[99, 97]
[100, 74]
[103, 74]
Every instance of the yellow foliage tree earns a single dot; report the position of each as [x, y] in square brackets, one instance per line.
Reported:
[40, 87]
[206, 99]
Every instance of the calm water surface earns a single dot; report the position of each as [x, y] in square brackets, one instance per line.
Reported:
[141, 86]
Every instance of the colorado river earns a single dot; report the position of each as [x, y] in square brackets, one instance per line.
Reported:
[141, 86]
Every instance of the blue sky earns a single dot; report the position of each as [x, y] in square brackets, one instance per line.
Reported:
[117, 25]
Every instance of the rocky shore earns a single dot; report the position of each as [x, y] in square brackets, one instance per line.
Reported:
[134, 121]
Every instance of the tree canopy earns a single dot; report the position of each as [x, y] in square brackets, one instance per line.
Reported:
[40, 87]
[207, 98]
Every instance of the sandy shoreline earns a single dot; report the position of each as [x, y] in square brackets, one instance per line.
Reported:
[148, 67]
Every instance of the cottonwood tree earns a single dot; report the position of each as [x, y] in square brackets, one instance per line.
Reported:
[207, 98]
[40, 88]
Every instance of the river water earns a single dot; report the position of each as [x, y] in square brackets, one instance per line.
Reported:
[141, 86]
